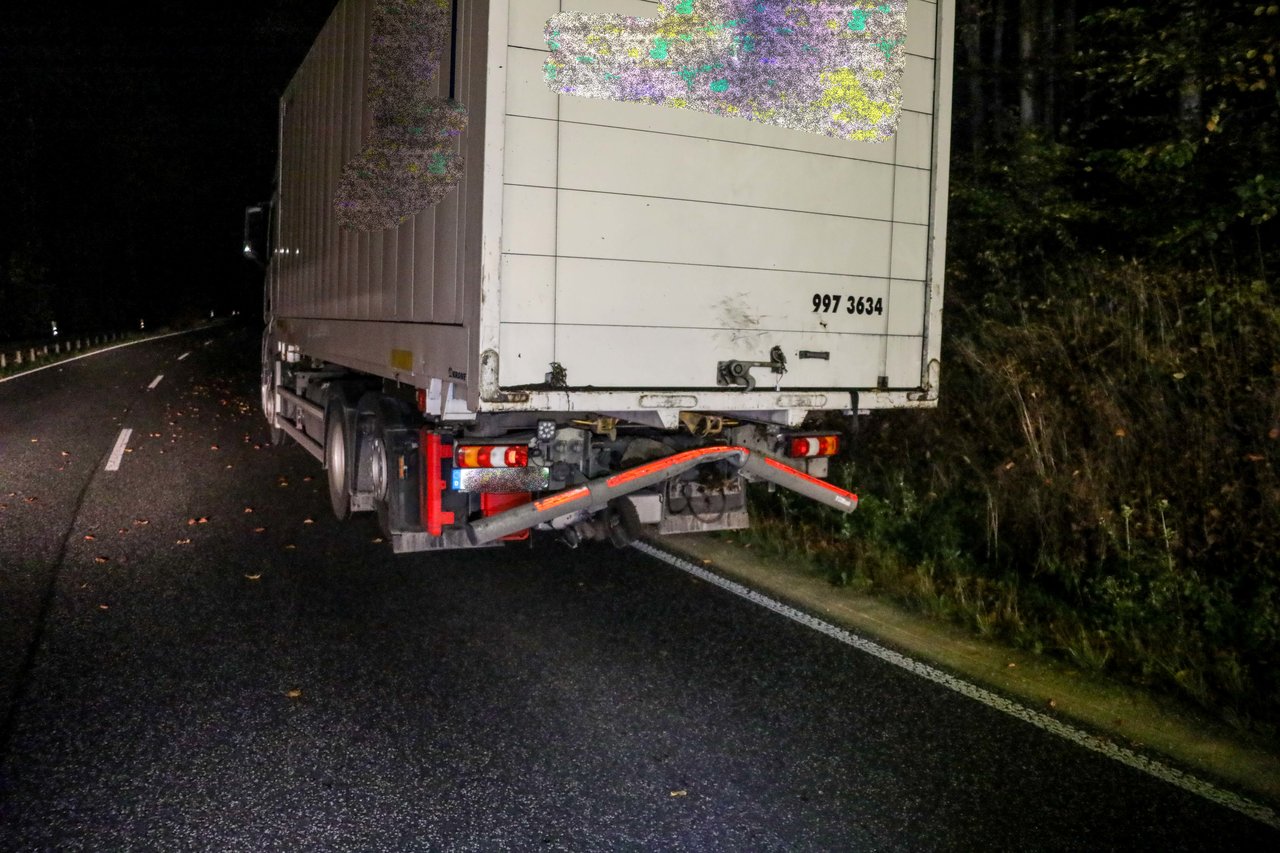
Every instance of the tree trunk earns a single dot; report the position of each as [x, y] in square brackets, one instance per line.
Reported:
[995, 106]
[1027, 21]
[1191, 94]
[971, 33]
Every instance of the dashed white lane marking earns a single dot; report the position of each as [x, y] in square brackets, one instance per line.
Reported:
[1257, 811]
[117, 452]
[155, 382]
[184, 355]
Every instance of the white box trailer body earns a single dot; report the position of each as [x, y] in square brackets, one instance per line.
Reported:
[603, 262]
[635, 246]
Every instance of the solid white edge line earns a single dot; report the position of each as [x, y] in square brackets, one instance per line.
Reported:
[117, 452]
[1259, 812]
[184, 355]
[155, 382]
[63, 361]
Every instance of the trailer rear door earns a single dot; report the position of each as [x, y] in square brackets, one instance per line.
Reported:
[643, 246]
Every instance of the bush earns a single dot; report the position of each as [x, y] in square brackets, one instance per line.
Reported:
[1099, 480]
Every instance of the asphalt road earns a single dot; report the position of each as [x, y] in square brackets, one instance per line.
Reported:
[195, 655]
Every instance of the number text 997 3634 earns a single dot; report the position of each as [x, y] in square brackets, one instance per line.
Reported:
[831, 303]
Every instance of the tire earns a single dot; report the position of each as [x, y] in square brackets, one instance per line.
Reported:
[337, 462]
[268, 387]
[374, 463]
[377, 466]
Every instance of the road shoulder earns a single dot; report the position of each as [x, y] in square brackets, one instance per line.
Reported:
[1121, 712]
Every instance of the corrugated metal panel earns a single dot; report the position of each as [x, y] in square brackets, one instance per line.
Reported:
[412, 273]
[419, 273]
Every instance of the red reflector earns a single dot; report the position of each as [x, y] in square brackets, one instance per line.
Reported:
[422, 400]
[491, 456]
[804, 446]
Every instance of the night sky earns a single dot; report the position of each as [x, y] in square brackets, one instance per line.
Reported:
[133, 137]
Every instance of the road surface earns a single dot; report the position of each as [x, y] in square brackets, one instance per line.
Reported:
[195, 655]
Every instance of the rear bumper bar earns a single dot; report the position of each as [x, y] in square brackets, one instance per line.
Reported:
[597, 494]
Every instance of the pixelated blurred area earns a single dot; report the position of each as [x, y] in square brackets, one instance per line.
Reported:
[409, 163]
[831, 68]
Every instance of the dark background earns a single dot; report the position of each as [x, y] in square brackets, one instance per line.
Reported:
[133, 136]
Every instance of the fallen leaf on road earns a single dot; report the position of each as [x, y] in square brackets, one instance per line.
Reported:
[1052, 703]
[248, 509]
[1011, 665]
[256, 577]
[680, 793]
[104, 607]
[35, 441]
[259, 530]
[190, 521]
[290, 547]
[89, 537]
[294, 694]
[32, 499]
[141, 521]
[65, 453]
[307, 479]
[184, 542]
[123, 530]
[377, 540]
[307, 521]
[128, 450]
[102, 559]
[213, 447]
[202, 520]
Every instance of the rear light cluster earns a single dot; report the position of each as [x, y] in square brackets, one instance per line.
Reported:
[809, 446]
[491, 456]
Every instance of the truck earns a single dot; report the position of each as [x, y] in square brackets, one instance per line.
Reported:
[610, 315]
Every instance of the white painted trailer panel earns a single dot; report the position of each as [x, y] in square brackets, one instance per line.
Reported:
[641, 246]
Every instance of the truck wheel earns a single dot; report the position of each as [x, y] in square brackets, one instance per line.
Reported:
[376, 417]
[378, 469]
[336, 463]
[268, 389]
